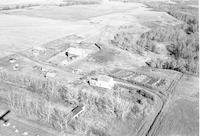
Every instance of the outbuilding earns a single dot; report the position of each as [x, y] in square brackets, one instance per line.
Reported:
[77, 111]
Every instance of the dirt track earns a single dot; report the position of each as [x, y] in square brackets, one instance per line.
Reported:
[156, 123]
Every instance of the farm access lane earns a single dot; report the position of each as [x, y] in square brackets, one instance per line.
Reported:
[19, 128]
[142, 130]
[148, 121]
[162, 102]
[155, 125]
[147, 130]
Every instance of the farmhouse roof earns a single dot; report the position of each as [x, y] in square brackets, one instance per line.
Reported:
[104, 78]
[74, 49]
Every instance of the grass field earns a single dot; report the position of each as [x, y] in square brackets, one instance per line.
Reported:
[76, 12]
[182, 115]
[23, 28]
[181, 119]
[21, 32]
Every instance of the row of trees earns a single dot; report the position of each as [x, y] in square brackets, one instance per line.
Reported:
[183, 48]
[51, 102]
[18, 6]
[181, 40]
[79, 2]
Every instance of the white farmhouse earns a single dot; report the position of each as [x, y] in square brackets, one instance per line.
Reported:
[50, 74]
[78, 51]
[102, 81]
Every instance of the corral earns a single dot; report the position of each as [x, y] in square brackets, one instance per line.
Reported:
[47, 50]
[138, 78]
[134, 94]
[72, 54]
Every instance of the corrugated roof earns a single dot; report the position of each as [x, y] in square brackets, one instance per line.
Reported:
[77, 109]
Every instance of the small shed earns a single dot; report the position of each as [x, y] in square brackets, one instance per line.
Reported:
[16, 67]
[77, 111]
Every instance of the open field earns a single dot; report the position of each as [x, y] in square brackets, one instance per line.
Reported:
[27, 30]
[22, 4]
[181, 115]
[10, 2]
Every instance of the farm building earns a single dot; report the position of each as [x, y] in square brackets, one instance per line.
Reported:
[50, 74]
[16, 67]
[38, 50]
[12, 60]
[77, 111]
[102, 81]
[77, 52]
[65, 62]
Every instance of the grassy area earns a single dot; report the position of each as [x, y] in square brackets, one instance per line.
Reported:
[182, 116]
[17, 5]
[181, 119]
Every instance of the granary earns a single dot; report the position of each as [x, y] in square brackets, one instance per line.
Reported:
[102, 81]
[77, 111]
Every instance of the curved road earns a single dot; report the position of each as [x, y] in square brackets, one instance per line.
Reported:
[155, 125]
